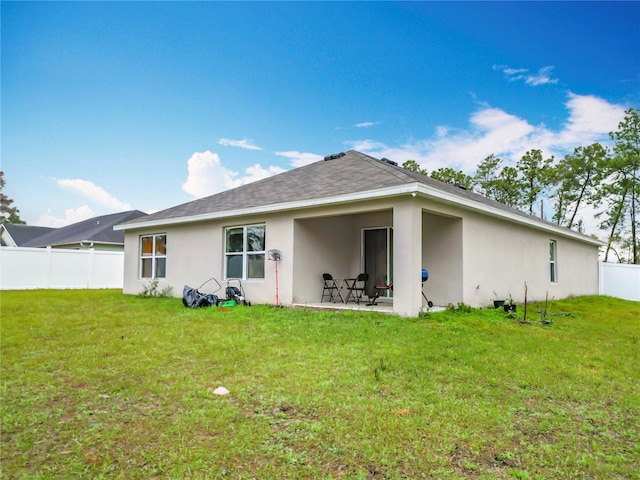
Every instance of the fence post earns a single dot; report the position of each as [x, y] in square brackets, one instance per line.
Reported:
[600, 279]
[49, 260]
[91, 267]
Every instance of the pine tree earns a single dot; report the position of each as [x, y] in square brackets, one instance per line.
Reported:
[8, 214]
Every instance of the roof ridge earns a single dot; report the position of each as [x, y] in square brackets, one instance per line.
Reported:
[396, 170]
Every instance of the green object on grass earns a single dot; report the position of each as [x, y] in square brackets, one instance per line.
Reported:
[228, 303]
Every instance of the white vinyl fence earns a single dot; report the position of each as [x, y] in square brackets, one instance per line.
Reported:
[30, 268]
[620, 280]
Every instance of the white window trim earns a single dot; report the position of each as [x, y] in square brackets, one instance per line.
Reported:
[553, 262]
[154, 256]
[244, 253]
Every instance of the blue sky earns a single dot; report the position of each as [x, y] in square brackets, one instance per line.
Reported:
[110, 106]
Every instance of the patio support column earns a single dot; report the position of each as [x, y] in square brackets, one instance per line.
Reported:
[407, 257]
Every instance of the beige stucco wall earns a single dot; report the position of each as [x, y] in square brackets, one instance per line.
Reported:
[442, 257]
[331, 244]
[468, 255]
[500, 257]
[195, 253]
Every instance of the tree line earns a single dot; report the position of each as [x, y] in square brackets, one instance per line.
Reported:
[606, 179]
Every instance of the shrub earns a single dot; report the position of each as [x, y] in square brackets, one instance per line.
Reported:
[152, 290]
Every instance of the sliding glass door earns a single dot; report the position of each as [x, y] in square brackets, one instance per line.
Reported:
[377, 248]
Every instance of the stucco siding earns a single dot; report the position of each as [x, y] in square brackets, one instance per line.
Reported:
[469, 255]
[195, 253]
[330, 244]
[442, 257]
[577, 270]
[321, 246]
[499, 257]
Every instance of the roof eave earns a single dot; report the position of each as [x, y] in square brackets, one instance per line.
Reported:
[408, 188]
[505, 214]
[76, 242]
[276, 207]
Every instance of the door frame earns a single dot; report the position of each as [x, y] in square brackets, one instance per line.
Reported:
[389, 255]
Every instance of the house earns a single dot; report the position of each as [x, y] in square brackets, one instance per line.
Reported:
[352, 213]
[96, 233]
[16, 235]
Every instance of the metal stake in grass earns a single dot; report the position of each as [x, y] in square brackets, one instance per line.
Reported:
[525, 303]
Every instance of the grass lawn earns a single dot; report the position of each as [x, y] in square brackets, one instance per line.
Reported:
[96, 384]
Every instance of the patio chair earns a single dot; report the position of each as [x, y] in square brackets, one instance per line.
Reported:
[378, 289]
[330, 288]
[375, 293]
[356, 287]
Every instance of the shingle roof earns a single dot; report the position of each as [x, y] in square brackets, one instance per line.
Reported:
[353, 172]
[346, 174]
[96, 229]
[22, 234]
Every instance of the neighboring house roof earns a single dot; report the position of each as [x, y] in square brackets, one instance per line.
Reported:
[16, 235]
[339, 178]
[93, 230]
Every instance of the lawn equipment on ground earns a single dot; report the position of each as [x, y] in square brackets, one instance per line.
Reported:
[235, 295]
[194, 298]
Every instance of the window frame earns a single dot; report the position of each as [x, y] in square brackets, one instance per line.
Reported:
[245, 252]
[154, 256]
[553, 261]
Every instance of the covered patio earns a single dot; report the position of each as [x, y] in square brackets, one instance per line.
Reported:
[379, 307]
[388, 242]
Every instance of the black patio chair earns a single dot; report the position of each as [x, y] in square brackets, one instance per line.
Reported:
[379, 289]
[330, 288]
[356, 287]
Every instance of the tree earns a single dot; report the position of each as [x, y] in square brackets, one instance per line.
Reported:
[413, 166]
[616, 211]
[487, 177]
[622, 189]
[454, 177]
[8, 214]
[509, 188]
[578, 175]
[536, 175]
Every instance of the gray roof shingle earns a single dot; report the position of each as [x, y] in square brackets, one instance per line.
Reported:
[22, 234]
[96, 229]
[353, 172]
[350, 173]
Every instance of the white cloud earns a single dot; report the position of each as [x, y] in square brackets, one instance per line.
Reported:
[492, 130]
[510, 71]
[299, 159]
[366, 124]
[207, 176]
[48, 219]
[257, 172]
[589, 114]
[542, 77]
[94, 192]
[245, 143]
[442, 131]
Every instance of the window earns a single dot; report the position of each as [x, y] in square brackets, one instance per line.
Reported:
[153, 256]
[553, 268]
[244, 252]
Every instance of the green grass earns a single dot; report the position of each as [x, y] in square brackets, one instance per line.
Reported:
[96, 384]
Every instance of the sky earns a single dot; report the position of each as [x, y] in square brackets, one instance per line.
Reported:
[112, 106]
